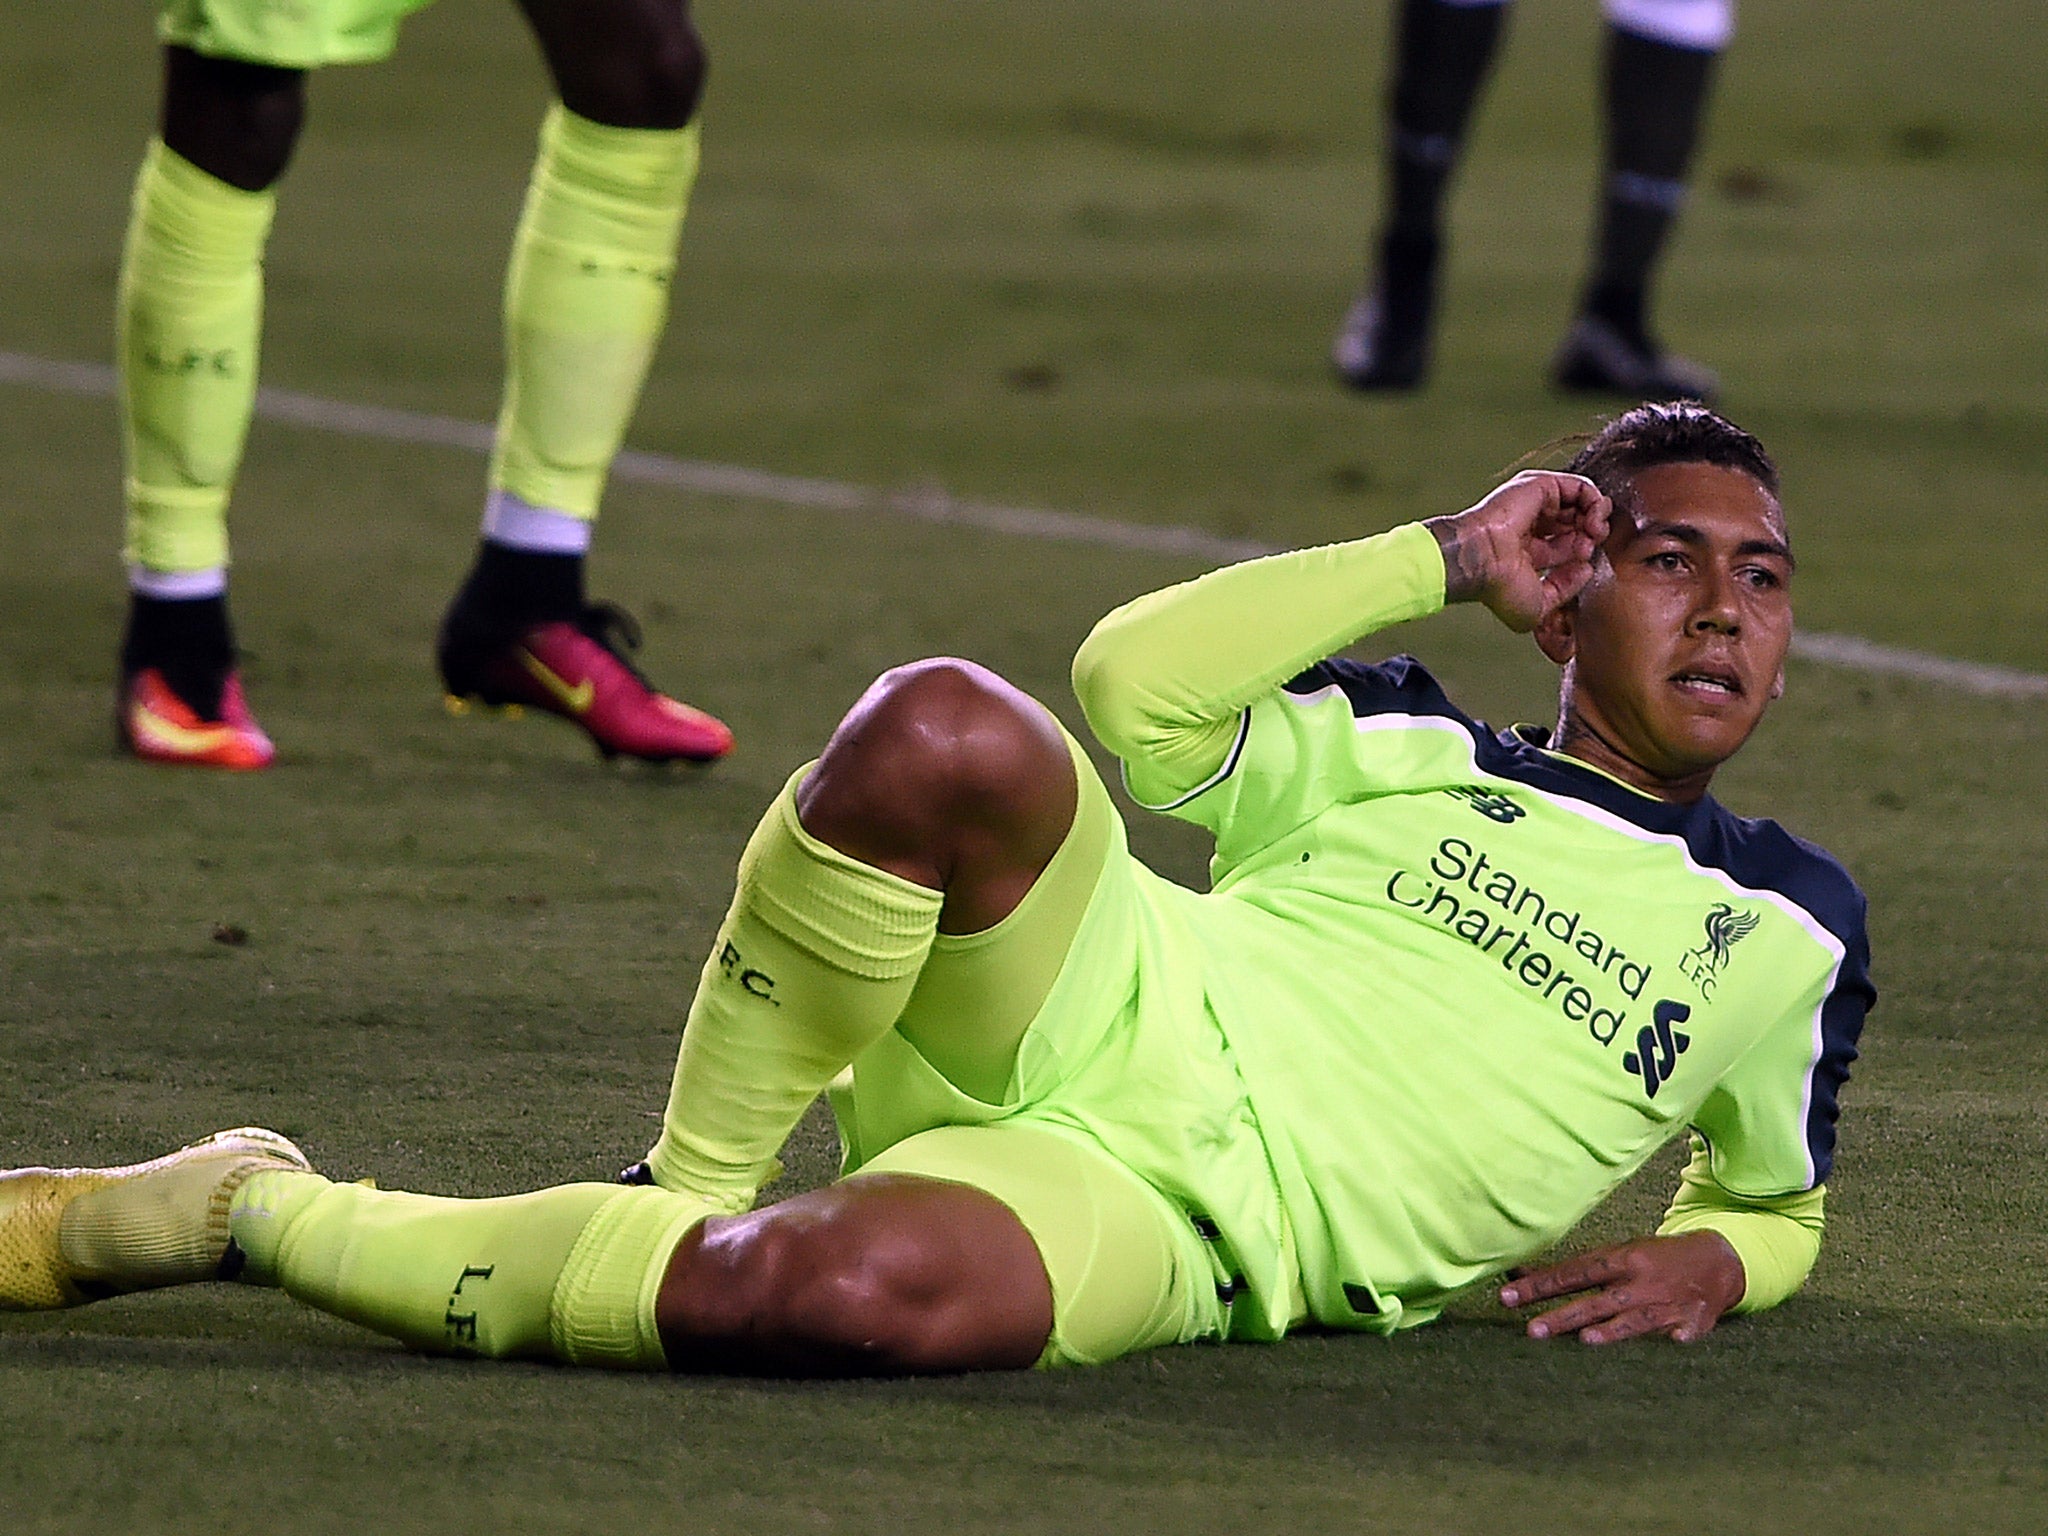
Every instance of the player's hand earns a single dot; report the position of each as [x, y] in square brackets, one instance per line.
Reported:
[1676, 1286]
[1526, 548]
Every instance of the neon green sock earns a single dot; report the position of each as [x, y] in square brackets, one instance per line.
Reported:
[189, 315]
[569, 1273]
[814, 963]
[585, 299]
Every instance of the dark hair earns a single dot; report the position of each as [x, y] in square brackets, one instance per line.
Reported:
[1680, 432]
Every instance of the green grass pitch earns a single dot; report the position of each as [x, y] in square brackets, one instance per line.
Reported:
[1075, 255]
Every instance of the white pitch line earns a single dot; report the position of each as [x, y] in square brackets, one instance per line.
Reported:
[1869, 656]
[935, 506]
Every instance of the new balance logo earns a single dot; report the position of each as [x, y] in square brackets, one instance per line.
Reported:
[1490, 803]
[1658, 1046]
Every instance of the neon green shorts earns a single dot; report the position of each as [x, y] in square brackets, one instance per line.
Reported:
[1122, 1139]
[290, 34]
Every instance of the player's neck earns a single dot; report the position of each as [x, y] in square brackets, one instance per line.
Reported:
[1581, 740]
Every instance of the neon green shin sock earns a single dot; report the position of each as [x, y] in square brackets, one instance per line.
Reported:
[814, 963]
[585, 299]
[189, 315]
[569, 1273]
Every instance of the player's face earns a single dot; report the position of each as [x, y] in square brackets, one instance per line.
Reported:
[1679, 639]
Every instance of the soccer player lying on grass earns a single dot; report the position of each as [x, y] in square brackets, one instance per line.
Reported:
[1450, 989]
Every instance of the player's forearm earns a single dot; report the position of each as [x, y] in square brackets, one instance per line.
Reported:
[1777, 1239]
[1164, 678]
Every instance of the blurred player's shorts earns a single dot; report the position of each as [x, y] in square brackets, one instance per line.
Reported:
[290, 34]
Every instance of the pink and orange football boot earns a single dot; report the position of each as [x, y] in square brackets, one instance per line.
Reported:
[577, 669]
[159, 727]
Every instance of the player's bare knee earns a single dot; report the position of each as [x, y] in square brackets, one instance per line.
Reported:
[668, 78]
[678, 68]
[728, 1278]
[632, 64]
[802, 1287]
[237, 122]
[880, 1295]
[950, 739]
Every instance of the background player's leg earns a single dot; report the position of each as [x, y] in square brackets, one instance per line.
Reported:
[1443, 50]
[937, 803]
[189, 319]
[1659, 67]
[586, 297]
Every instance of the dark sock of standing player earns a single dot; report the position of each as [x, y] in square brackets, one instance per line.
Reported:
[1442, 56]
[188, 640]
[511, 590]
[1656, 98]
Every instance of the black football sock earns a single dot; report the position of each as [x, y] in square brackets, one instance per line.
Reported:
[1656, 98]
[188, 640]
[509, 590]
[1442, 55]
[1407, 283]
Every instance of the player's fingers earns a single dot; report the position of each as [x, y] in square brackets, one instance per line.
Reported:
[1533, 498]
[1552, 541]
[1581, 1312]
[1578, 501]
[1629, 1325]
[1580, 1273]
[1562, 583]
[1558, 490]
[1577, 491]
[1598, 518]
[1696, 1325]
[1670, 1318]
[1557, 548]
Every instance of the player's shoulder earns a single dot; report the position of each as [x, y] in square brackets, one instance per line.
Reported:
[1761, 853]
[1400, 685]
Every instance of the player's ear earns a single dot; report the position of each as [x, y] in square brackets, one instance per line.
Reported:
[1557, 633]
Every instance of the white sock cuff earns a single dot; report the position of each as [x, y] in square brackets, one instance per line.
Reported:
[1706, 25]
[178, 586]
[511, 520]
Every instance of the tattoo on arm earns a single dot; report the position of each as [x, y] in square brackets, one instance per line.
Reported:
[1464, 562]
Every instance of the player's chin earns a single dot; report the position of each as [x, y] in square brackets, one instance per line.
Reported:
[1706, 735]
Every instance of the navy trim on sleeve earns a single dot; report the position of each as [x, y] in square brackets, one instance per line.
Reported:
[1756, 853]
[1228, 767]
[1399, 686]
[1841, 1024]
